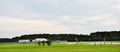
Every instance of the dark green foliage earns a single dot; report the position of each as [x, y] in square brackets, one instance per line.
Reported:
[110, 36]
[96, 36]
[6, 40]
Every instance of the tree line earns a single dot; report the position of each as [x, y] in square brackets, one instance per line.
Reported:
[95, 36]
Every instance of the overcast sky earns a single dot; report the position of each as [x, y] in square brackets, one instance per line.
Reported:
[18, 17]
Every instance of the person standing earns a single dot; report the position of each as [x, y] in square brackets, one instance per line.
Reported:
[48, 42]
[43, 43]
[39, 43]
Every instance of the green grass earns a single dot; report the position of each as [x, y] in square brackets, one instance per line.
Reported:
[58, 48]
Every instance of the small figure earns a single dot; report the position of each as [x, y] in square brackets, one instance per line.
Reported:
[43, 43]
[39, 43]
[48, 42]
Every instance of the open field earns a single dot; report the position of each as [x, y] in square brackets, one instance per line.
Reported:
[59, 48]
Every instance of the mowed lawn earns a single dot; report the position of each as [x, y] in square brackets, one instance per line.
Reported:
[58, 48]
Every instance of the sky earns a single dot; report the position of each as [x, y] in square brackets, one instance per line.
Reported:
[19, 17]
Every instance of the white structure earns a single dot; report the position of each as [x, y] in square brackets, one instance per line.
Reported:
[60, 41]
[39, 39]
[24, 41]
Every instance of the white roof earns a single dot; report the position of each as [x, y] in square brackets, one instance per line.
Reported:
[24, 41]
[40, 39]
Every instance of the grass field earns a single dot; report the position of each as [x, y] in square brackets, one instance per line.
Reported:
[58, 48]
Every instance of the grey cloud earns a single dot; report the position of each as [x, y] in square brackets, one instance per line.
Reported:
[83, 15]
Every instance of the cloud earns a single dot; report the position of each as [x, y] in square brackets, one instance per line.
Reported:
[116, 8]
[52, 16]
[15, 24]
[80, 19]
[111, 22]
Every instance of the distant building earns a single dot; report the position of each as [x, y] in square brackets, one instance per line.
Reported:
[60, 41]
[24, 41]
[39, 39]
